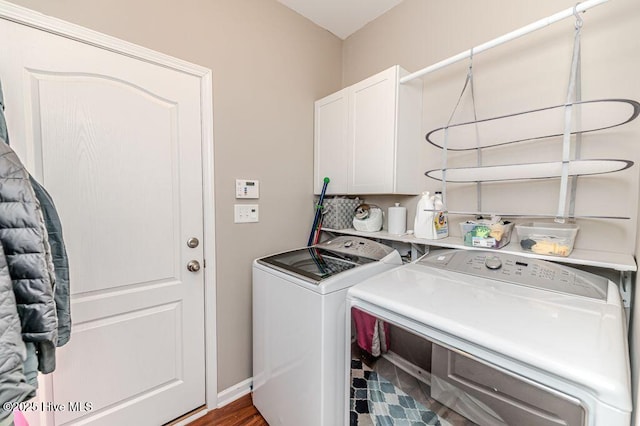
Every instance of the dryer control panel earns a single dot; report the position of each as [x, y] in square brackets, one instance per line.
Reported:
[520, 270]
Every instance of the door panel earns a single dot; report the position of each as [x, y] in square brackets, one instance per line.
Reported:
[94, 123]
[373, 130]
[140, 373]
[117, 141]
[331, 147]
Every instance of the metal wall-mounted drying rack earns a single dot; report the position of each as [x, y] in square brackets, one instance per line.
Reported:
[625, 110]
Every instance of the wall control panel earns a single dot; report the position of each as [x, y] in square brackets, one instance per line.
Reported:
[247, 189]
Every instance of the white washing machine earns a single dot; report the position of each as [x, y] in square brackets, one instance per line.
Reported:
[299, 305]
[510, 341]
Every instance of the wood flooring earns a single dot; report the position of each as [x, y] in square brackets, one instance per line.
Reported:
[240, 412]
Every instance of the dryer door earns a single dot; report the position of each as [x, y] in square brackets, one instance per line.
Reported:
[421, 380]
[457, 377]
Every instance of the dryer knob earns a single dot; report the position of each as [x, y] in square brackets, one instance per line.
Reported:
[493, 262]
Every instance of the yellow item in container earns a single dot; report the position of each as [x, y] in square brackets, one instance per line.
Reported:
[497, 229]
[555, 239]
[547, 247]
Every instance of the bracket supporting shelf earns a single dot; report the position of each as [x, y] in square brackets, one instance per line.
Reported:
[625, 285]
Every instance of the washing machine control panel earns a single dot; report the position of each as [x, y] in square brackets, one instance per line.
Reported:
[357, 246]
[520, 270]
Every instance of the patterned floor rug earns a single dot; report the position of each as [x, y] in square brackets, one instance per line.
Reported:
[376, 401]
[359, 413]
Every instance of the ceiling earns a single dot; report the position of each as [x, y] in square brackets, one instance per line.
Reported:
[341, 17]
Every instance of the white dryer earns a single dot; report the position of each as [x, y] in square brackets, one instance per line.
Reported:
[299, 305]
[513, 340]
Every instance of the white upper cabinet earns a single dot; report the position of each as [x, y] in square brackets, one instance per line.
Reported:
[367, 137]
[330, 146]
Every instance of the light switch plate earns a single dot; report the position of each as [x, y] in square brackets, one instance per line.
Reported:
[245, 213]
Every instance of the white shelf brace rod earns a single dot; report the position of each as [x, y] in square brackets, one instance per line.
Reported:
[542, 23]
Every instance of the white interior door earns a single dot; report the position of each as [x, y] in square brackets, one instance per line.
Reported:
[118, 143]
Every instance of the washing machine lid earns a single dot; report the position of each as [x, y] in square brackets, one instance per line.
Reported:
[576, 338]
[313, 263]
[329, 258]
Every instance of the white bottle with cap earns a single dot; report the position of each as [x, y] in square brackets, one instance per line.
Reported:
[423, 223]
[397, 220]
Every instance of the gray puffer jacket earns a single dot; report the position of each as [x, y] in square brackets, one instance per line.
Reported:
[60, 259]
[14, 387]
[39, 356]
[24, 238]
[62, 292]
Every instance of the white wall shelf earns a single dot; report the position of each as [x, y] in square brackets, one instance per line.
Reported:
[617, 261]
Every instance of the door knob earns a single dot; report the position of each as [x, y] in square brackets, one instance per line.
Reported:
[193, 266]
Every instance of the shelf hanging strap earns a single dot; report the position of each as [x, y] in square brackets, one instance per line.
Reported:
[467, 83]
[578, 119]
[477, 133]
[568, 112]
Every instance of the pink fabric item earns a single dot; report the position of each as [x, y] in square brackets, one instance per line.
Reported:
[372, 333]
[18, 419]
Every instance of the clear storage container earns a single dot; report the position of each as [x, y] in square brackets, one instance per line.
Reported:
[554, 239]
[496, 235]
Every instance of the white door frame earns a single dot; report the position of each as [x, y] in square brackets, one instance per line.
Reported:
[21, 15]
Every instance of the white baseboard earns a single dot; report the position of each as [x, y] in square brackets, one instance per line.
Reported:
[225, 397]
[234, 392]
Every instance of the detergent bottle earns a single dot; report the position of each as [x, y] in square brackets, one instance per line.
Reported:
[423, 224]
[440, 222]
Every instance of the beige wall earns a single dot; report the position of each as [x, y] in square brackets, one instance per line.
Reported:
[269, 65]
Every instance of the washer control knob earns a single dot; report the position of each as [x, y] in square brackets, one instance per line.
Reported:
[493, 262]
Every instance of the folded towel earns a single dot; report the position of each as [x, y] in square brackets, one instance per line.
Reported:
[372, 333]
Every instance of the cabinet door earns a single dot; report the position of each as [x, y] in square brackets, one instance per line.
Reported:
[372, 134]
[330, 143]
